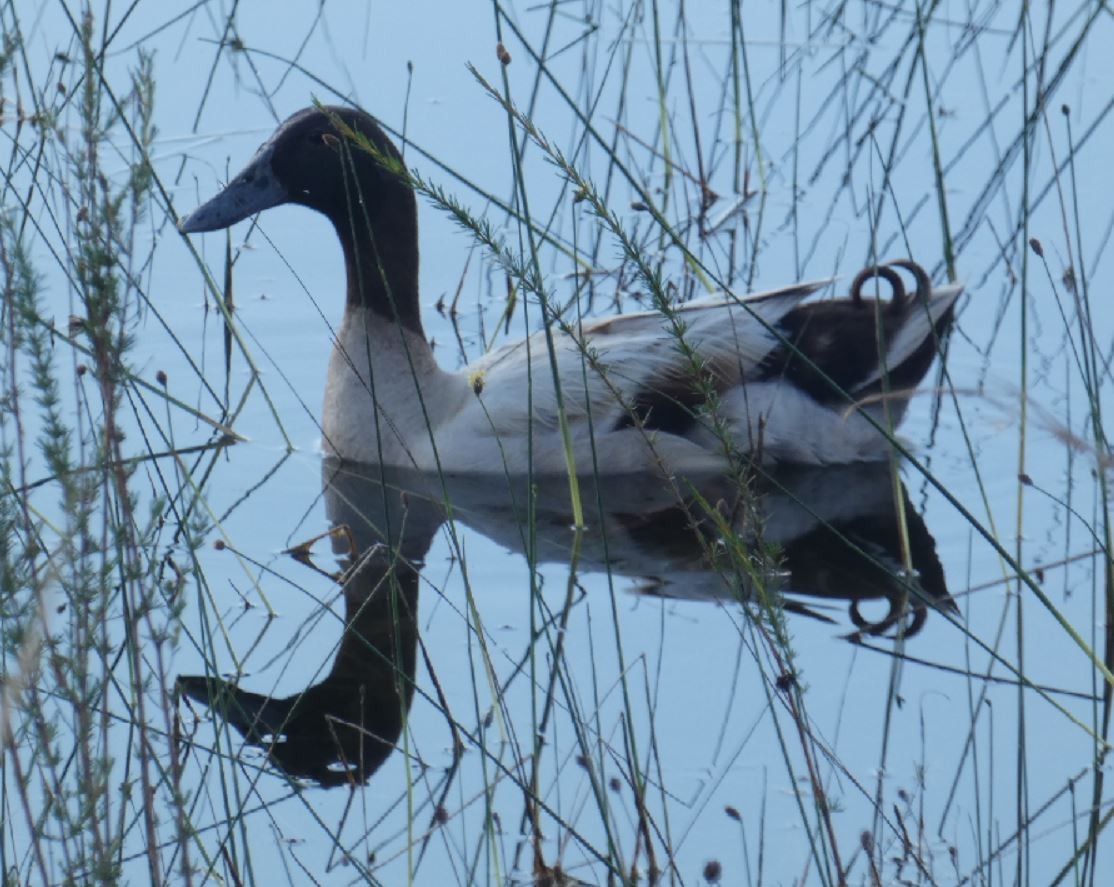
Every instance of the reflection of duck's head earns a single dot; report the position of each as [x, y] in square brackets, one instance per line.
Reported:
[340, 730]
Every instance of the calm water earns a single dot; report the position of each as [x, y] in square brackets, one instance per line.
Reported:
[631, 635]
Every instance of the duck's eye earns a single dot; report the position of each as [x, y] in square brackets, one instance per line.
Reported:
[323, 137]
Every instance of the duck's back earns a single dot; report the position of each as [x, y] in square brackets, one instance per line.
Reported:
[635, 390]
[770, 376]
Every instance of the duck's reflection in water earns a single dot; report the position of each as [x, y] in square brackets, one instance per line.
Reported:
[838, 534]
[344, 727]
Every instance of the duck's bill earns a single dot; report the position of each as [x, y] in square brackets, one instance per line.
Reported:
[252, 191]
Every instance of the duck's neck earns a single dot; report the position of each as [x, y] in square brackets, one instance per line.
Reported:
[381, 259]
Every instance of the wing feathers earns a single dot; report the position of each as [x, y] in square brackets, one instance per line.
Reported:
[631, 369]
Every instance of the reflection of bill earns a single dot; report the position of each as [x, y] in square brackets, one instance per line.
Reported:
[831, 533]
[340, 730]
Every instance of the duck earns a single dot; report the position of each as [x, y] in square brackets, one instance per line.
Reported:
[770, 376]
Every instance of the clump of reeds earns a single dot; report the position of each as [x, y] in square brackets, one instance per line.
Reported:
[89, 591]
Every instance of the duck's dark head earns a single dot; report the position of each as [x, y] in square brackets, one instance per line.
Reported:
[311, 161]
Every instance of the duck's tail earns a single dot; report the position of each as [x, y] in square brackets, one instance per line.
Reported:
[919, 322]
[871, 343]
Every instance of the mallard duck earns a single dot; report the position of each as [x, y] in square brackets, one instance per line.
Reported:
[792, 381]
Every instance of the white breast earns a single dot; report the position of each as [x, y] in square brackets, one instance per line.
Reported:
[385, 394]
